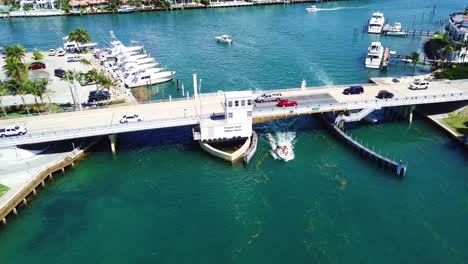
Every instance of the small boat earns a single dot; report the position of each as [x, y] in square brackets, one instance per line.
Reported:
[312, 8]
[224, 39]
[394, 30]
[126, 9]
[283, 152]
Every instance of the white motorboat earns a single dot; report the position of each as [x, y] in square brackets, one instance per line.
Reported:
[394, 30]
[134, 65]
[376, 23]
[283, 152]
[312, 8]
[132, 73]
[146, 78]
[126, 9]
[224, 39]
[374, 55]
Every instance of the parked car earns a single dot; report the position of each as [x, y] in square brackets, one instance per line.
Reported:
[15, 130]
[384, 94]
[74, 58]
[60, 73]
[130, 118]
[96, 96]
[52, 52]
[61, 52]
[286, 103]
[36, 66]
[419, 85]
[354, 90]
[268, 97]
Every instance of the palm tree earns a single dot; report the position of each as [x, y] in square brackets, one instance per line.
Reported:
[414, 57]
[15, 51]
[85, 62]
[105, 82]
[14, 68]
[42, 83]
[16, 87]
[80, 36]
[37, 55]
[32, 87]
[3, 90]
[70, 76]
[94, 76]
[446, 52]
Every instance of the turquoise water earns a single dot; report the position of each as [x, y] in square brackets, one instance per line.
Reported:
[161, 199]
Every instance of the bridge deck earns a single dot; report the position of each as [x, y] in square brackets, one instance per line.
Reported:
[105, 121]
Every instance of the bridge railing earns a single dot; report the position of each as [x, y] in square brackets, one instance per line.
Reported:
[361, 104]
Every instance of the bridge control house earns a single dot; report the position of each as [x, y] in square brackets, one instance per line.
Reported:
[228, 135]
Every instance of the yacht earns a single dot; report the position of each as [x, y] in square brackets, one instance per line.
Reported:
[126, 9]
[283, 152]
[376, 23]
[374, 55]
[394, 30]
[145, 78]
[224, 39]
[312, 8]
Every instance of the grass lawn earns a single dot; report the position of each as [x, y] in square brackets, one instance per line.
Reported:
[458, 122]
[3, 189]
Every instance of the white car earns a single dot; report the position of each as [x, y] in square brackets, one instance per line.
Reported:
[15, 130]
[61, 52]
[419, 85]
[130, 118]
[52, 52]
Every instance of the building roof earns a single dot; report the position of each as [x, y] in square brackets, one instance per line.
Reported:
[238, 94]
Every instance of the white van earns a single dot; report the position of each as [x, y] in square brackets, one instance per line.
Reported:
[268, 97]
[419, 85]
[16, 130]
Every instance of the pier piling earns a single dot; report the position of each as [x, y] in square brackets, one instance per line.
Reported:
[4, 221]
[15, 212]
[113, 142]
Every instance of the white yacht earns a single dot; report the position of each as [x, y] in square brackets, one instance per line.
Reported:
[376, 23]
[126, 9]
[312, 8]
[374, 55]
[145, 78]
[224, 39]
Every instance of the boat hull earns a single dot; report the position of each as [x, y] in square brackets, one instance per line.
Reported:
[231, 157]
[158, 78]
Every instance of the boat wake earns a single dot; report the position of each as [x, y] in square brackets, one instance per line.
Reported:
[320, 74]
[339, 8]
[282, 145]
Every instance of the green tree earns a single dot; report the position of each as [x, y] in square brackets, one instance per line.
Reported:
[414, 57]
[14, 68]
[446, 52]
[16, 88]
[3, 90]
[80, 36]
[32, 87]
[94, 76]
[15, 51]
[70, 76]
[105, 81]
[37, 55]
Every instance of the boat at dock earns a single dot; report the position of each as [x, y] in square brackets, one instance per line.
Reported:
[376, 23]
[224, 39]
[394, 30]
[312, 8]
[374, 55]
[145, 78]
[126, 9]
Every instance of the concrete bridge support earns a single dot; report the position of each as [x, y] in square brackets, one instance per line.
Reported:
[113, 142]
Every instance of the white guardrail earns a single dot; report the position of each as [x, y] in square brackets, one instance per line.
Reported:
[354, 105]
[56, 135]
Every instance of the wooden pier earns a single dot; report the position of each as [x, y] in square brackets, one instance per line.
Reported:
[29, 191]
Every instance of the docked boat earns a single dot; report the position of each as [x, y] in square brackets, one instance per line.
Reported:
[72, 46]
[376, 23]
[146, 77]
[374, 55]
[394, 30]
[312, 8]
[126, 9]
[224, 39]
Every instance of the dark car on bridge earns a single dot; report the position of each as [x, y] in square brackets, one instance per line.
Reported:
[354, 90]
[37, 66]
[384, 94]
[286, 103]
